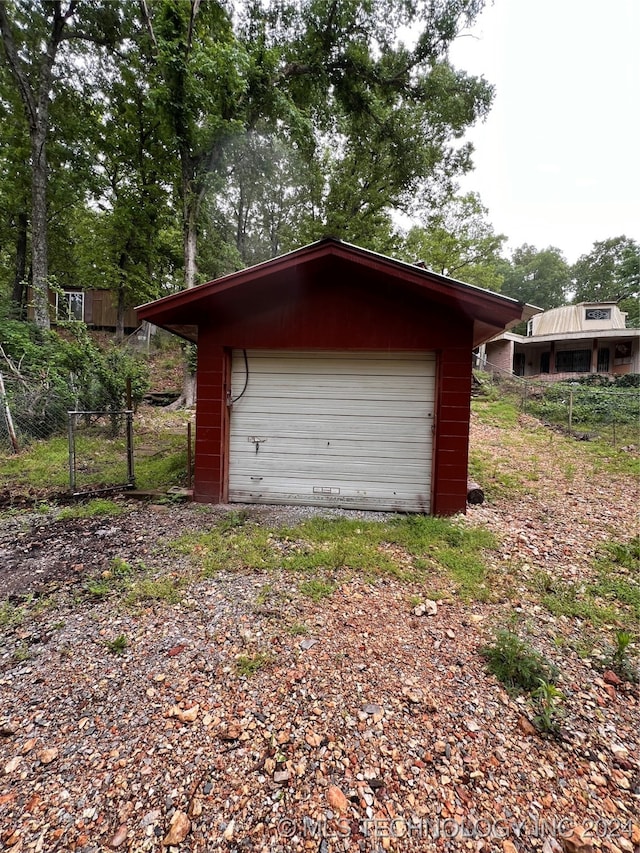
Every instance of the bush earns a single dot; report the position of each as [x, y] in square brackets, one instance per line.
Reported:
[49, 373]
[518, 666]
[629, 380]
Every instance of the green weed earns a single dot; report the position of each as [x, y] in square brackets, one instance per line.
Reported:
[248, 665]
[623, 657]
[233, 520]
[548, 701]
[167, 589]
[409, 548]
[316, 589]
[11, 616]
[297, 629]
[118, 645]
[22, 653]
[92, 509]
[518, 666]
[500, 413]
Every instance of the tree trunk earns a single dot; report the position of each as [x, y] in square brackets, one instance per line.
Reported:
[120, 316]
[39, 244]
[36, 106]
[190, 207]
[190, 240]
[18, 291]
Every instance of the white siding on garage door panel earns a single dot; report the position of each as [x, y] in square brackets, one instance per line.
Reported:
[332, 428]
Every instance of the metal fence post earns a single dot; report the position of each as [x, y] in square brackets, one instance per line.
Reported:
[570, 410]
[72, 452]
[130, 464]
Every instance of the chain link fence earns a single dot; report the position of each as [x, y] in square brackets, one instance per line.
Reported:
[33, 408]
[592, 409]
[41, 410]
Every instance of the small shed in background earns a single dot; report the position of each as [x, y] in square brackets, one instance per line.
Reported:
[334, 376]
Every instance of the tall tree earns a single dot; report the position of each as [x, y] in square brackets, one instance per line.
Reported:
[331, 73]
[32, 35]
[538, 276]
[30, 53]
[15, 192]
[610, 272]
[457, 240]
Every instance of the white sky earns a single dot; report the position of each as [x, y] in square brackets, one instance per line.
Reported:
[557, 160]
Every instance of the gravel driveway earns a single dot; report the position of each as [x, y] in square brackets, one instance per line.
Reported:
[248, 717]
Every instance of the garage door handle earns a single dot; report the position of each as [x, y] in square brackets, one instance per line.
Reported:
[255, 478]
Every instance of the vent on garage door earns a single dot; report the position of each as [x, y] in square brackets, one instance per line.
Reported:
[332, 428]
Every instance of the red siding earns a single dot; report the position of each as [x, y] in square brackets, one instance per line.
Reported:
[339, 315]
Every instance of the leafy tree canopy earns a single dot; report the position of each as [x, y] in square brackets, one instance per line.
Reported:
[610, 272]
[538, 276]
[458, 240]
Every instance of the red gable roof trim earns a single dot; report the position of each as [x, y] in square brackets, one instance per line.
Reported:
[485, 305]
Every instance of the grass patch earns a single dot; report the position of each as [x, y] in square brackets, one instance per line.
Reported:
[167, 589]
[44, 464]
[298, 629]
[11, 616]
[496, 482]
[316, 589]
[248, 665]
[498, 413]
[133, 585]
[118, 645]
[92, 509]
[611, 597]
[411, 548]
[101, 459]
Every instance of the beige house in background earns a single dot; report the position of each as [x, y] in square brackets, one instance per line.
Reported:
[565, 342]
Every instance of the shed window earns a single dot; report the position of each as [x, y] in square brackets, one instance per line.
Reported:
[573, 361]
[70, 305]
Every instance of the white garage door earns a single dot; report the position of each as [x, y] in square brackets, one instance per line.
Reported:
[332, 428]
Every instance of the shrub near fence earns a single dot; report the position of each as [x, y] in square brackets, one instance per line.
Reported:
[33, 409]
[589, 409]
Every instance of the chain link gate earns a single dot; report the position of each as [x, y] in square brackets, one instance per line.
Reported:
[100, 452]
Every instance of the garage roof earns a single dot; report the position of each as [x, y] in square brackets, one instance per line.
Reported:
[181, 313]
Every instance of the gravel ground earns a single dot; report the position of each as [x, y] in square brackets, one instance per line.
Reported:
[375, 729]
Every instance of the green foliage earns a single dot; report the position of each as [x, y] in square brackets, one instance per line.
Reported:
[54, 372]
[11, 615]
[248, 665]
[518, 666]
[93, 508]
[118, 645]
[143, 590]
[297, 629]
[611, 596]
[316, 589]
[539, 277]
[609, 272]
[501, 413]
[624, 656]
[457, 240]
[548, 701]
[409, 548]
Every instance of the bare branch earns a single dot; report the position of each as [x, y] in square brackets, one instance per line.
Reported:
[146, 17]
[195, 6]
[15, 67]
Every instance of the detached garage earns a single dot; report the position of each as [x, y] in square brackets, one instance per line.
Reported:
[334, 376]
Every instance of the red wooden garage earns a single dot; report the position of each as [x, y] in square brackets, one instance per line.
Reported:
[334, 376]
